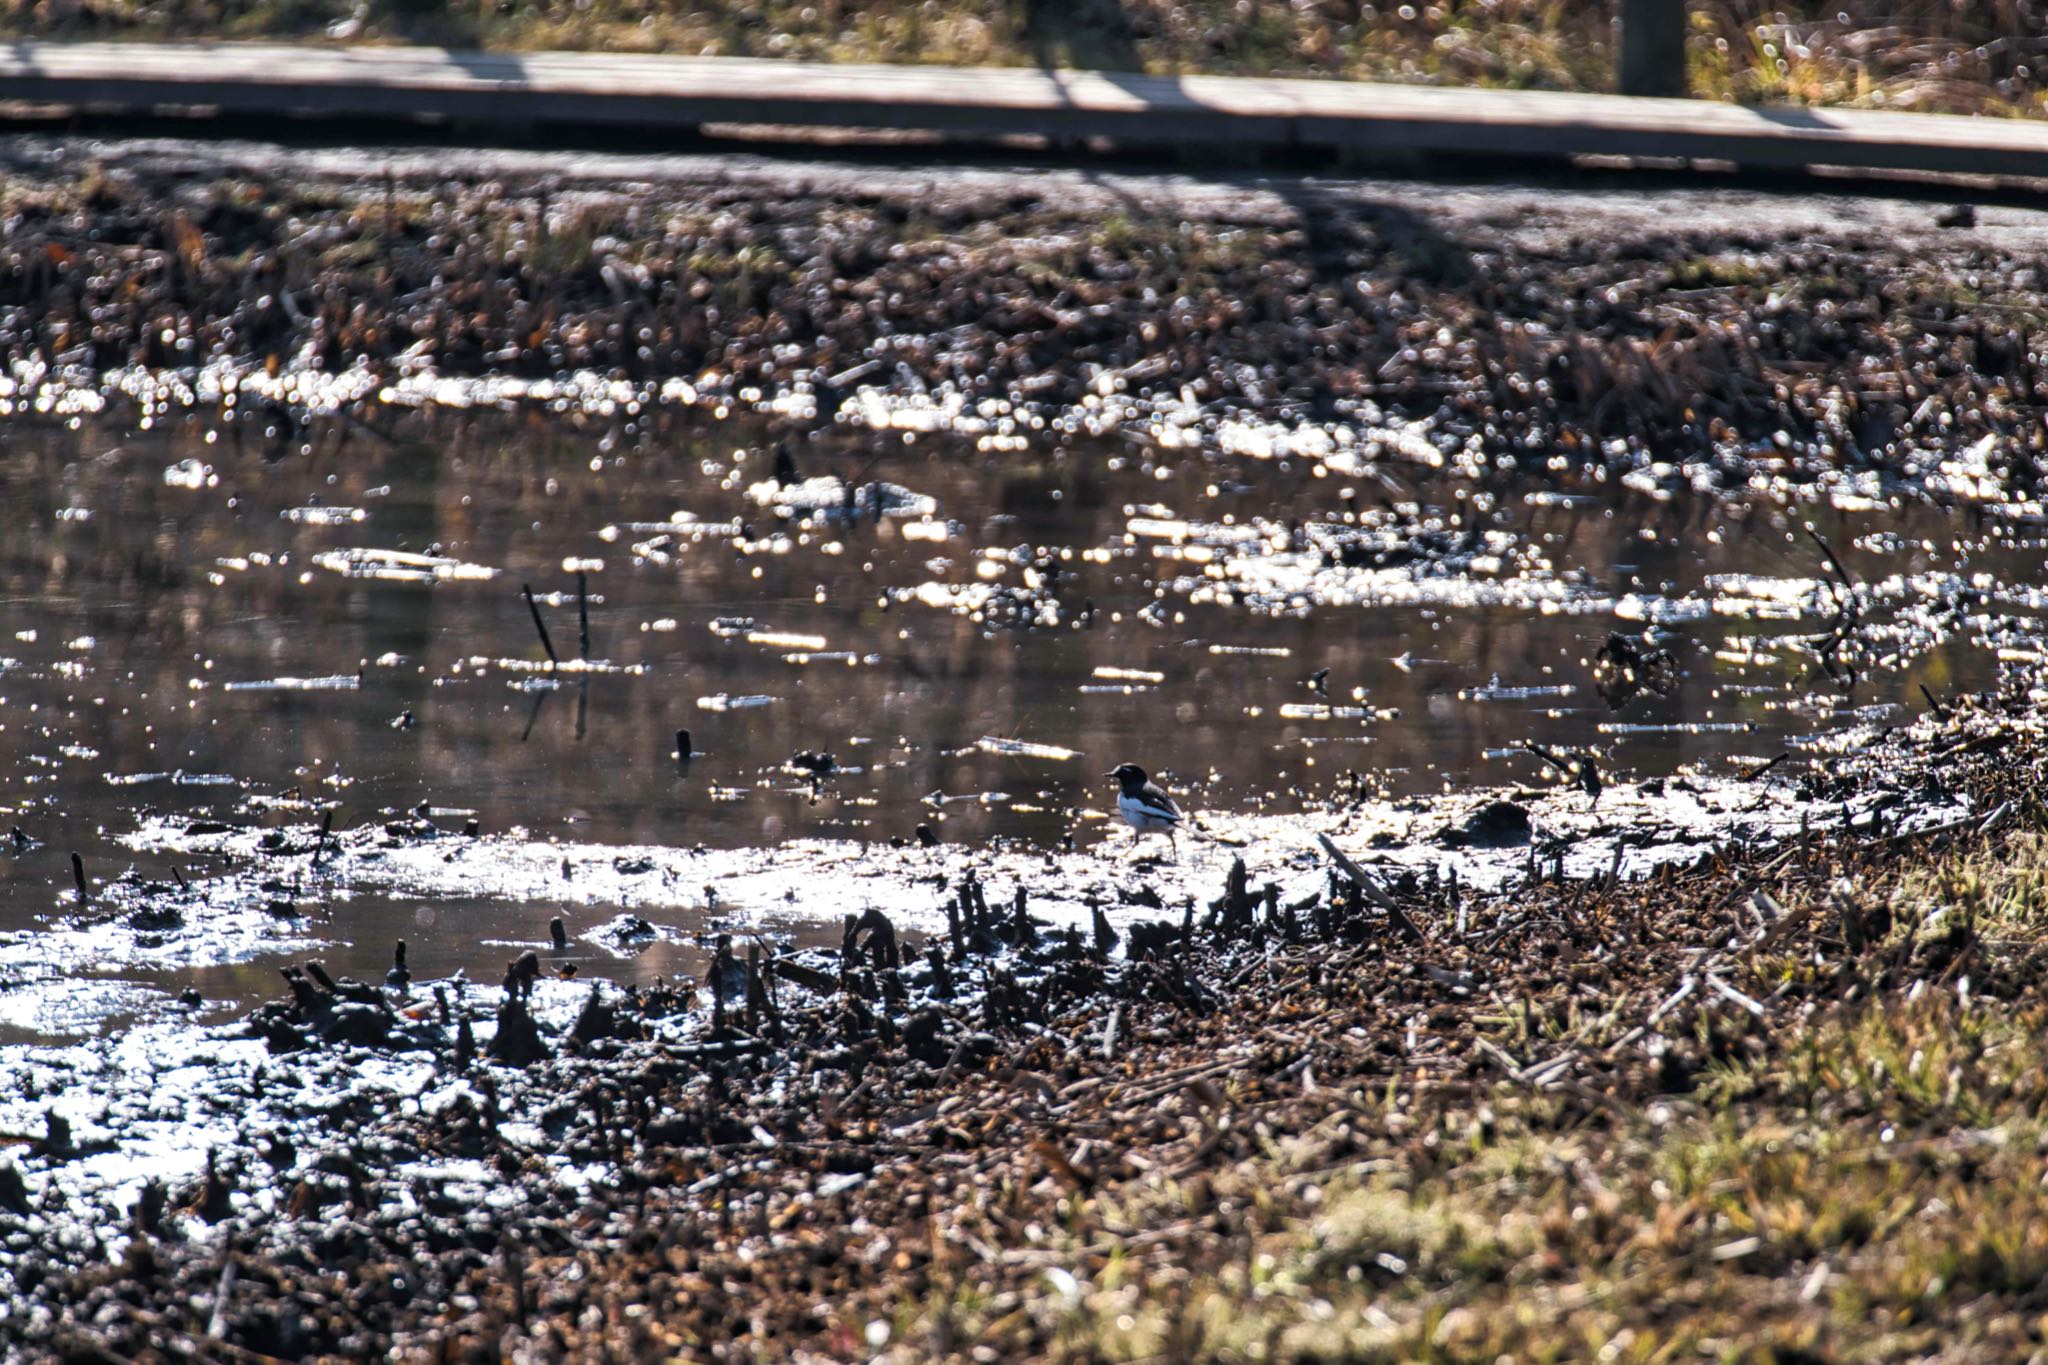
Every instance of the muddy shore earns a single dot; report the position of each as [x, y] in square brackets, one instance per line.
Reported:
[897, 1146]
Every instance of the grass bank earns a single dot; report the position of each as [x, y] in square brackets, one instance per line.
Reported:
[1921, 54]
[1851, 1172]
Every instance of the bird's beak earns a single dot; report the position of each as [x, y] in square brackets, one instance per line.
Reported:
[1109, 774]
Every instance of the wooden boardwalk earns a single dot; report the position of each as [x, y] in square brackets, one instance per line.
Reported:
[1189, 113]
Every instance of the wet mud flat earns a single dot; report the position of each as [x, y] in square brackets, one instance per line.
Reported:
[873, 1148]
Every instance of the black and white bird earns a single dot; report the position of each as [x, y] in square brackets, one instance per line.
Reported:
[1144, 804]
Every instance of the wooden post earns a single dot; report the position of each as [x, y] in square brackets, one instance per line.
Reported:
[1653, 48]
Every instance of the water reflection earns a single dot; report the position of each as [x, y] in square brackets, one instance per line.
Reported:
[136, 606]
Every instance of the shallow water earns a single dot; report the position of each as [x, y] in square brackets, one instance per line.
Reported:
[253, 621]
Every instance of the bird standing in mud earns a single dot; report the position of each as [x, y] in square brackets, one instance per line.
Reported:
[1144, 804]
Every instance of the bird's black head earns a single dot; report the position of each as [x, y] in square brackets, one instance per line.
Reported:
[1130, 776]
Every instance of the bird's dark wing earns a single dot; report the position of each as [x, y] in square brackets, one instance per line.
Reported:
[1155, 800]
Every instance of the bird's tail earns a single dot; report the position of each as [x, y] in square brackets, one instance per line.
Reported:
[1193, 829]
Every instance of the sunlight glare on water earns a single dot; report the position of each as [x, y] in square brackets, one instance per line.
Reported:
[939, 632]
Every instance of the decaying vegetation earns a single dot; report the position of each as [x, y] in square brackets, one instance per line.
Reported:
[1866, 347]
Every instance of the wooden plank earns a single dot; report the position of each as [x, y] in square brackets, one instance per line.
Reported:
[1193, 111]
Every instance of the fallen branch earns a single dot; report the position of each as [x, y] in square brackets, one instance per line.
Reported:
[1374, 892]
